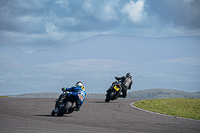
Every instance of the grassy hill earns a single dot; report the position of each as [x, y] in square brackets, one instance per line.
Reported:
[179, 107]
[162, 93]
[38, 95]
[141, 94]
[53, 95]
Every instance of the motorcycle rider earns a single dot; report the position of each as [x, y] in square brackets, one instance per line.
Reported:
[78, 92]
[126, 83]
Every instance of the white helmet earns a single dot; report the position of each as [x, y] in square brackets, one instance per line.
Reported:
[79, 83]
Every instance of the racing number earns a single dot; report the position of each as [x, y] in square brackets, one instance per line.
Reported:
[116, 88]
[80, 97]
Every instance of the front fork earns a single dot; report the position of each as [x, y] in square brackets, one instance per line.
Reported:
[60, 100]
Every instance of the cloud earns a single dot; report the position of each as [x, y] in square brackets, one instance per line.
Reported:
[66, 15]
[191, 61]
[135, 10]
[109, 12]
[88, 6]
[68, 20]
[183, 14]
[51, 28]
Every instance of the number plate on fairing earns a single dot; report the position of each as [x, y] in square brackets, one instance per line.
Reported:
[116, 88]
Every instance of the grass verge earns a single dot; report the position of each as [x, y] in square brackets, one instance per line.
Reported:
[3, 96]
[180, 107]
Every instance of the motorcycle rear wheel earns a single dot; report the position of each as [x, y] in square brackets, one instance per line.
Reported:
[64, 109]
[109, 96]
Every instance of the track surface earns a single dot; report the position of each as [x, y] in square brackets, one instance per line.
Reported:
[22, 115]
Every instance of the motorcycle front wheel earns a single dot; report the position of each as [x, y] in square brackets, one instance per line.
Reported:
[53, 112]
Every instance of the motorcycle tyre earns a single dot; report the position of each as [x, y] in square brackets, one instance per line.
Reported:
[71, 110]
[109, 96]
[53, 113]
[64, 109]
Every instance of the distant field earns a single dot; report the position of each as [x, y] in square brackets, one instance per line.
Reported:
[162, 94]
[141, 94]
[180, 107]
[3, 96]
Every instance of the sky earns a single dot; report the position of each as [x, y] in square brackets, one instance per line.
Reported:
[36, 24]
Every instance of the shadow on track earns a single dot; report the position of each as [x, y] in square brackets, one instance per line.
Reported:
[53, 116]
[45, 115]
[99, 102]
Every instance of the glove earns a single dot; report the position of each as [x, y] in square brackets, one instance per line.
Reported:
[63, 89]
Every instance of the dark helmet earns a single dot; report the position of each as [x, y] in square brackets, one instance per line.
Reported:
[129, 75]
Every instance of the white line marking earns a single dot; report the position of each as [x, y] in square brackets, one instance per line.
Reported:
[132, 105]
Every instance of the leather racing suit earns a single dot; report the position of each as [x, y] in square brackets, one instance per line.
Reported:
[78, 93]
[126, 84]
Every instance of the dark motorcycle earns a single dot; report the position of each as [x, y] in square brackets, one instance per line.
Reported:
[114, 91]
[64, 105]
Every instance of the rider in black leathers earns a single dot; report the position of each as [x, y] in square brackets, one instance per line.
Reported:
[126, 83]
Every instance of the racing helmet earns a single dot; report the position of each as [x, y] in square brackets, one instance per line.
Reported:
[129, 75]
[79, 83]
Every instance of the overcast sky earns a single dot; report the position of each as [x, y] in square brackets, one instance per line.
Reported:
[46, 23]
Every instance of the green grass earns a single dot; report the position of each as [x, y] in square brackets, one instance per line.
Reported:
[3, 96]
[180, 107]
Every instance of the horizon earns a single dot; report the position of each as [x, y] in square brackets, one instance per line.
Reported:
[105, 92]
[168, 63]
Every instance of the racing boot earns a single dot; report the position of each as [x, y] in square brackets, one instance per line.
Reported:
[122, 96]
[76, 109]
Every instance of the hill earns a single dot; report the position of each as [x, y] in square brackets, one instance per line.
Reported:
[170, 62]
[141, 94]
[37, 95]
[162, 93]
[52, 95]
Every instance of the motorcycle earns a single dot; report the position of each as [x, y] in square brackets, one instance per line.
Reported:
[114, 91]
[64, 105]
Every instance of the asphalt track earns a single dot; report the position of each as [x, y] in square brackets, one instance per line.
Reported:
[24, 115]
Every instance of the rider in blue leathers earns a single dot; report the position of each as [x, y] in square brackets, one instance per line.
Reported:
[78, 93]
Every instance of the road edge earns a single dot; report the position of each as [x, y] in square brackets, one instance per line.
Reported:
[132, 105]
